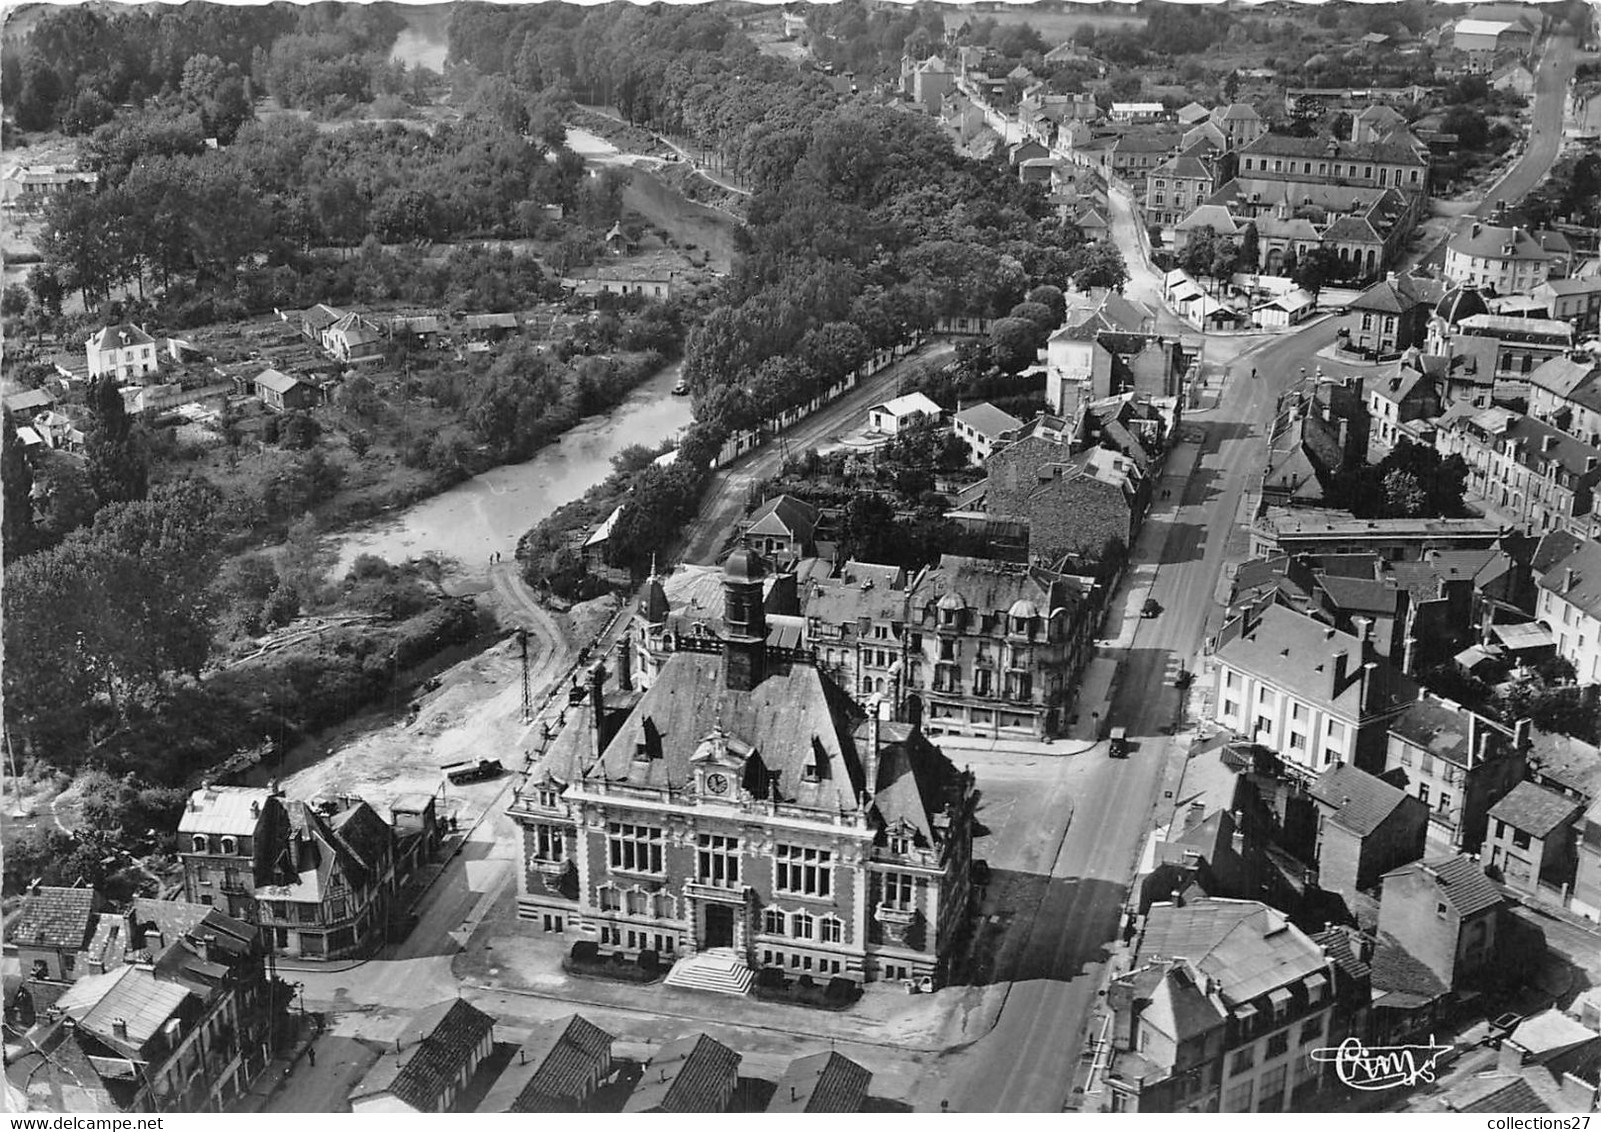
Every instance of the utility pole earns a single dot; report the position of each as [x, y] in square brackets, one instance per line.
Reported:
[528, 695]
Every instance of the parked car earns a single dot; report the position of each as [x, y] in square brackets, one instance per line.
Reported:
[681, 389]
[469, 771]
[1117, 743]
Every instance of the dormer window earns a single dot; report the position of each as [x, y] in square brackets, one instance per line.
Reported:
[809, 773]
[548, 799]
[200, 844]
[900, 844]
[230, 846]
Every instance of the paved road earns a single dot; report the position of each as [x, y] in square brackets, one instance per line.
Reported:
[1026, 1064]
[1550, 97]
[724, 502]
[1144, 281]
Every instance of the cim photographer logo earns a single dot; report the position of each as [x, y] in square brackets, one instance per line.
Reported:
[1382, 1067]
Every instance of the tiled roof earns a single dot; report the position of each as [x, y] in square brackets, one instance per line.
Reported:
[1188, 168]
[1552, 548]
[822, 1082]
[1534, 809]
[1438, 726]
[1339, 944]
[553, 1069]
[1395, 969]
[1563, 376]
[1514, 1095]
[1360, 595]
[1361, 802]
[692, 1074]
[1462, 880]
[419, 1075]
[276, 381]
[57, 918]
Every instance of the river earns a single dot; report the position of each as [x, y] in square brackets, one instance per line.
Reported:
[490, 512]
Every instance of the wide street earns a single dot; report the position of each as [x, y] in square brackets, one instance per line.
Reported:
[1027, 1062]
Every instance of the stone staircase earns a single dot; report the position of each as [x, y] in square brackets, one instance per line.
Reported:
[720, 969]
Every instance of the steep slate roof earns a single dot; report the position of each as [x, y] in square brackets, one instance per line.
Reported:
[1571, 379]
[784, 719]
[1399, 978]
[1514, 1095]
[53, 917]
[1461, 879]
[451, 1031]
[692, 1074]
[1247, 947]
[821, 1082]
[1361, 802]
[1360, 595]
[1438, 726]
[119, 336]
[1390, 296]
[1534, 809]
[1185, 167]
[554, 1067]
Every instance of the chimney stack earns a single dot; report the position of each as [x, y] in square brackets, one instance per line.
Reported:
[1339, 670]
[1569, 579]
[1369, 684]
[625, 664]
[1364, 630]
[119, 1027]
[1475, 230]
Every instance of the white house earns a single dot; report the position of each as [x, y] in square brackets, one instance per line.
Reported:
[983, 426]
[1286, 310]
[123, 351]
[902, 412]
[1570, 600]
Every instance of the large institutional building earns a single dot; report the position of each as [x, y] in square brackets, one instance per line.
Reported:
[744, 801]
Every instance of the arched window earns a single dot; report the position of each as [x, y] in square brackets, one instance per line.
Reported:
[802, 925]
[200, 845]
[665, 908]
[773, 922]
[230, 846]
[833, 930]
[610, 899]
[637, 902]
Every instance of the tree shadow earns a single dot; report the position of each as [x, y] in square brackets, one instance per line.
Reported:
[1030, 926]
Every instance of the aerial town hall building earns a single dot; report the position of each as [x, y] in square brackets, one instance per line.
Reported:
[746, 803]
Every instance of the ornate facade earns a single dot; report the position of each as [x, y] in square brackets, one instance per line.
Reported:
[746, 802]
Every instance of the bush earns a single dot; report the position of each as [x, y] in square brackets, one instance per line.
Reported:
[585, 951]
[452, 622]
[648, 961]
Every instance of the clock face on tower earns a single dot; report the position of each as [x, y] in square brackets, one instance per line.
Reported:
[716, 783]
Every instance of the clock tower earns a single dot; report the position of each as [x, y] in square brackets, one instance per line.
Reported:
[719, 767]
[745, 621]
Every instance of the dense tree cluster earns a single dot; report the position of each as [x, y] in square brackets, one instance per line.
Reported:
[1414, 480]
[870, 41]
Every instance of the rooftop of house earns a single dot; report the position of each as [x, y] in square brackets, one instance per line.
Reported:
[1460, 879]
[1571, 379]
[275, 381]
[1248, 948]
[1544, 1035]
[822, 1082]
[1361, 595]
[1576, 578]
[1515, 328]
[1492, 241]
[988, 421]
[117, 337]
[1571, 763]
[446, 1036]
[1535, 810]
[1295, 652]
[234, 810]
[1397, 294]
[1284, 145]
[552, 1069]
[692, 1074]
[125, 1007]
[57, 918]
[1361, 802]
[910, 403]
[1329, 523]
[785, 516]
[1400, 979]
[1440, 727]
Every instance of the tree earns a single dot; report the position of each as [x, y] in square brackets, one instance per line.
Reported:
[1050, 297]
[16, 482]
[1250, 258]
[14, 301]
[1101, 264]
[115, 459]
[1404, 498]
[1016, 342]
[1317, 267]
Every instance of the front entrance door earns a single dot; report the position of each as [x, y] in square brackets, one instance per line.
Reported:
[719, 926]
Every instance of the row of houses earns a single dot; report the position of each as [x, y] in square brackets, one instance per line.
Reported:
[566, 1065]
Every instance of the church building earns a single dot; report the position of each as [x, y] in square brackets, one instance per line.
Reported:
[746, 803]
